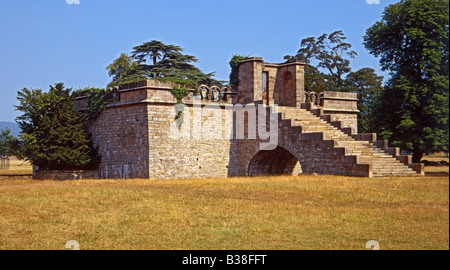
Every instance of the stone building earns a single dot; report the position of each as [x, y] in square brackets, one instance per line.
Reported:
[267, 125]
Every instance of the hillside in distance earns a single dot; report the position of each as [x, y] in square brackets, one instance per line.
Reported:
[14, 127]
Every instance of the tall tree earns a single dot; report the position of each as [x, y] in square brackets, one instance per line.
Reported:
[368, 86]
[330, 52]
[158, 60]
[412, 43]
[8, 143]
[123, 70]
[52, 136]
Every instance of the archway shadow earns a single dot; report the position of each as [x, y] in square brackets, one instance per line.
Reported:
[274, 162]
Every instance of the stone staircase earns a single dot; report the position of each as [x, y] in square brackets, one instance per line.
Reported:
[383, 163]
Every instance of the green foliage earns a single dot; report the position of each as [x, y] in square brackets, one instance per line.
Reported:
[52, 136]
[412, 43]
[97, 100]
[234, 64]
[156, 60]
[330, 52]
[315, 80]
[8, 143]
[168, 61]
[123, 70]
[179, 93]
[368, 86]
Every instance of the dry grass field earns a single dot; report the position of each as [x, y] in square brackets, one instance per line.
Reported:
[281, 213]
[436, 157]
[18, 167]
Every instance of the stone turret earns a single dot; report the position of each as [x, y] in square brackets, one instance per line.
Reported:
[281, 84]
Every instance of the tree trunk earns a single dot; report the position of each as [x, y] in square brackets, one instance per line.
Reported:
[417, 156]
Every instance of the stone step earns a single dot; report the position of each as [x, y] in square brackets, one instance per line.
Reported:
[306, 128]
[383, 163]
[377, 161]
[358, 147]
[372, 157]
[364, 151]
[370, 154]
[312, 124]
[394, 168]
[390, 167]
[394, 172]
[393, 175]
[357, 143]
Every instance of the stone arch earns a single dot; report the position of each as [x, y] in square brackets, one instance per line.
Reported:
[274, 162]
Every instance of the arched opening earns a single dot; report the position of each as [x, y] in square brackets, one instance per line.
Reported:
[287, 93]
[274, 162]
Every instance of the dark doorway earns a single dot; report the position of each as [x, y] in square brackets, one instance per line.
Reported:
[265, 90]
[274, 162]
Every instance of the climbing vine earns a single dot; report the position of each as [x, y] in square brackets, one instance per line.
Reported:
[179, 93]
[97, 100]
[234, 64]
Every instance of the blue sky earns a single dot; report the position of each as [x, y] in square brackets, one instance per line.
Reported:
[47, 41]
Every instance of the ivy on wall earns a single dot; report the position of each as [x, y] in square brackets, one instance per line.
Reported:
[234, 64]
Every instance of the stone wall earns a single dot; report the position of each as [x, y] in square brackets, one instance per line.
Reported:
[313, 153]
[197, 147]
[160, 92]
[121, 135]
[65, 174]
[337, 108]
[136, 136]
[342, 107]
[250, 80]
[285, 82]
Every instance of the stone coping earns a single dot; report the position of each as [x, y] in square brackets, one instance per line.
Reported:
[164, 88]
[337, 95]
[330, 110]
[284, 64]
[157, 102]
[260, 59]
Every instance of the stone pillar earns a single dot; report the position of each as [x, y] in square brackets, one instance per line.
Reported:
[250, 80]
[343, 107]
[299, 80]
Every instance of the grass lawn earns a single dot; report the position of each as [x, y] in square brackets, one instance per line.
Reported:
[18, 167]
[436, 157]
[305, 212]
